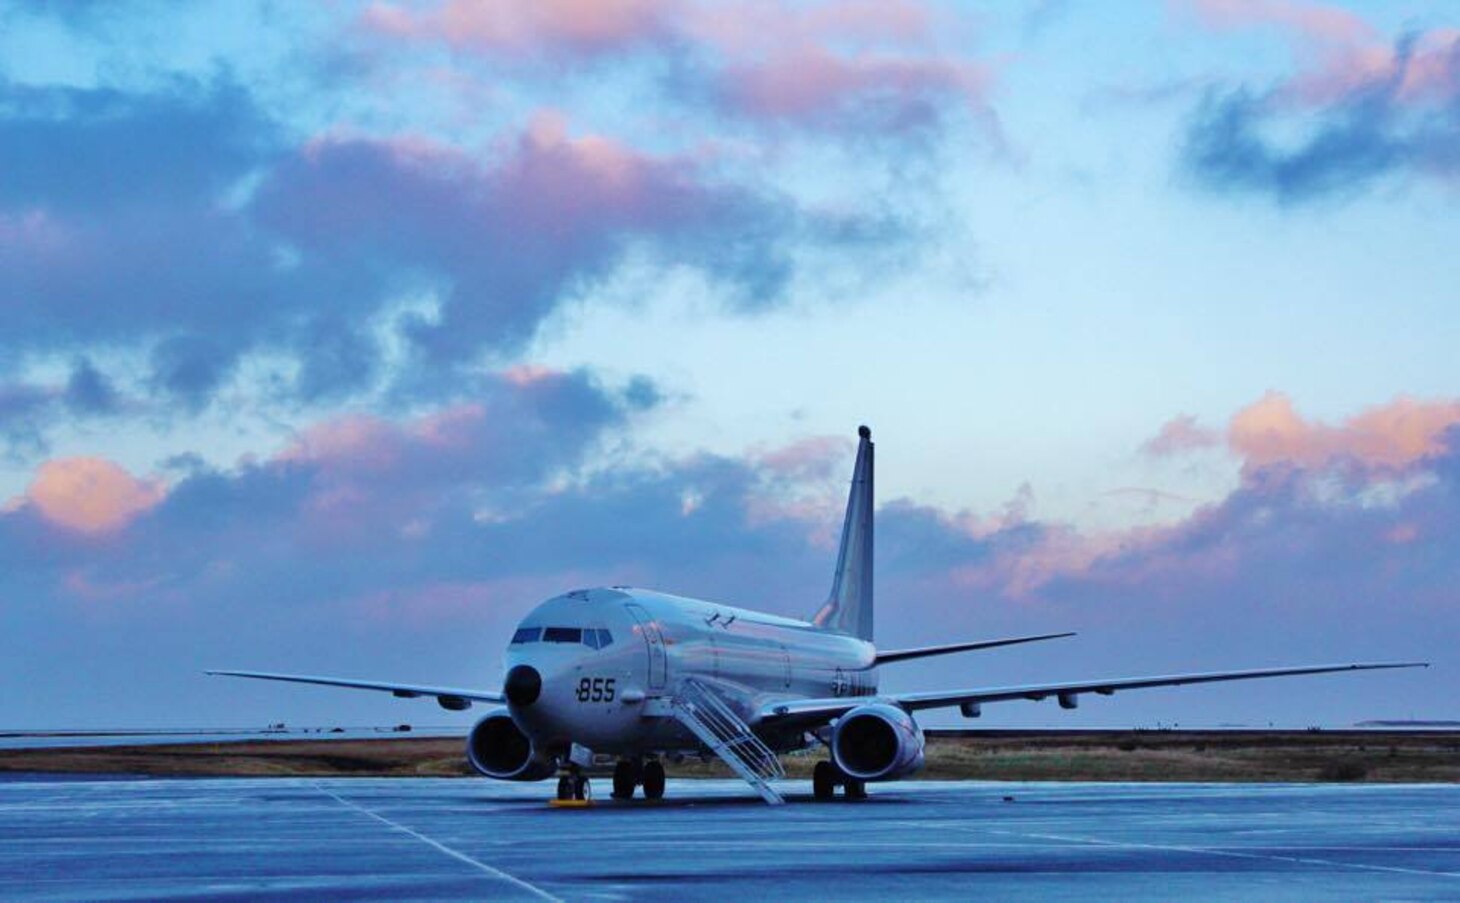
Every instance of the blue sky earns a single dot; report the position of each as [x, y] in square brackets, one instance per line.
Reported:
[336, 336]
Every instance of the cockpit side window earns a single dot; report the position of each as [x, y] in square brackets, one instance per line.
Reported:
[590, 638]
[562, 635]
[526, 635]
[605, 639]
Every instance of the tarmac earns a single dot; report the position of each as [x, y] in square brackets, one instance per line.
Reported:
[418, 838]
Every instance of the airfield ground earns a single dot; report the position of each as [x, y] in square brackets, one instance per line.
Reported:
[1266, 756]
[64, 838]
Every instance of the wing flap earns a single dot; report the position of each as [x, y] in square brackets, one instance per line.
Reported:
[452, 698]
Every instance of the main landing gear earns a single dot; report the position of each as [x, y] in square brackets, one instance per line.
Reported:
[629, 774]
[824, 780]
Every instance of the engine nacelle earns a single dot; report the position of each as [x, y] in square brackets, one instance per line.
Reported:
[499, 749]
[877, 742]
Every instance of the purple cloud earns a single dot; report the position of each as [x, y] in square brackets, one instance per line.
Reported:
[182, 224]
[1362, 109]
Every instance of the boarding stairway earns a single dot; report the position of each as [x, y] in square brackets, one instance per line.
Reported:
[698, 707]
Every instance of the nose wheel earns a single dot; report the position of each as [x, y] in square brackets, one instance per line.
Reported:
[574, 787]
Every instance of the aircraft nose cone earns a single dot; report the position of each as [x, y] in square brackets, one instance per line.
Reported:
[523, 685]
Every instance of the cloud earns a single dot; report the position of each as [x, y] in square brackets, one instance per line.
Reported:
[1312, 22]
[506, 242]
[1357, 110]
[865, 67]
[502, 26]
[29, 409]
[1178, 435]
[90, 495]
[1270, 431]
[1396, 434]
[227, 240]
[412, 534]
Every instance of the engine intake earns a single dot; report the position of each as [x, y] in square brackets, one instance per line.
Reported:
[877, 742]
[499, 749]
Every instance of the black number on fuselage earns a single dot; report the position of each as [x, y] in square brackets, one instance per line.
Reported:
[596, 689]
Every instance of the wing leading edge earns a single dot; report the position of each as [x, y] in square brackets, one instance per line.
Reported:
[452, 698]
[899, 655]
[825, 709]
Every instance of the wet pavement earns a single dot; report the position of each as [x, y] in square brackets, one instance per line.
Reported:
[389, 838]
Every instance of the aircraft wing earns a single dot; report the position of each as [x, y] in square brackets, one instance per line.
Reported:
[820, 710]
[898, 655]
[451, 698]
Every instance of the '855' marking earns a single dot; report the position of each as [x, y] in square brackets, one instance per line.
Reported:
[595, 689]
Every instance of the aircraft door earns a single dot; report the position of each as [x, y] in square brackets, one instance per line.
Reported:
[786, 665]
[654, 640]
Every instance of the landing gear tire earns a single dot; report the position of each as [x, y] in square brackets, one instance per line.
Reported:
[653, 780]
[823, 780]
[855, 789]
[582, 790]
[626, 776]
[565, 787]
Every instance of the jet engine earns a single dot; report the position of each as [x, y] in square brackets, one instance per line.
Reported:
[877, 742]
[499, 749]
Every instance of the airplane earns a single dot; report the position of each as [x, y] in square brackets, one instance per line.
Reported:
[629, 678]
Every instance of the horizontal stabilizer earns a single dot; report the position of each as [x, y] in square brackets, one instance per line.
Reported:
[898, 655]
[451, 698]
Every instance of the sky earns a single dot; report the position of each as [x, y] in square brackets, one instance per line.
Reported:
[335, 336]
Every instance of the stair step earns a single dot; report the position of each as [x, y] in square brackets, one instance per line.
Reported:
[699, 708]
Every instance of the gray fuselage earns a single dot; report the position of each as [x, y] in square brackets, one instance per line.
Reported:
[612, 699]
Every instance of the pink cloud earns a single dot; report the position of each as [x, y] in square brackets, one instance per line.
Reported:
[811, 83]
[1343, 53]
[1179, 435]
[807, 63]
[812, 457]
[1271, 431]
[1395, 434]
[508, 26]
[1424, 71]
[362, 443]
[1312, 21]
[91, 495]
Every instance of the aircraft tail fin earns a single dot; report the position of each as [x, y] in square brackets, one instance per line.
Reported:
[849, 607]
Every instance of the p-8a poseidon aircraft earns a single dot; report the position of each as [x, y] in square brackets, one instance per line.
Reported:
[625, 677]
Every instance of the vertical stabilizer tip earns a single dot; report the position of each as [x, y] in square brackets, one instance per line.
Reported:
[864, 432]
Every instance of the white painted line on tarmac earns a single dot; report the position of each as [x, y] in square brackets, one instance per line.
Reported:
[454, 854]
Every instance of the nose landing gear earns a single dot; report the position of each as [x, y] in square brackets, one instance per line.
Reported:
[574, 786]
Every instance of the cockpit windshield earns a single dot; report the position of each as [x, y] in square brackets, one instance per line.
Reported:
[593, 637]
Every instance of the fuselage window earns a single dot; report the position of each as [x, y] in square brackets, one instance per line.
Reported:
[526, 635]
[605, 639]
[562, 635]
